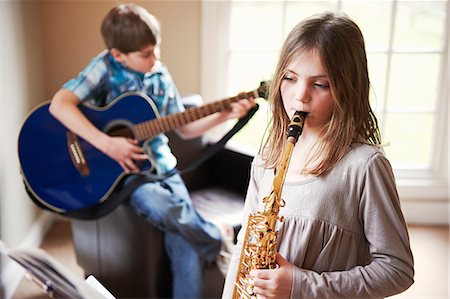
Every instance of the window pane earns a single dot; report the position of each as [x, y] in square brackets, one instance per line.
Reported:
[414, 81]
[420, 24]
[251, 135]
[405, 75]
[256, 25]
[409, 135]
[377, 64]
[248, 69]
[296, 11]
[373, 18]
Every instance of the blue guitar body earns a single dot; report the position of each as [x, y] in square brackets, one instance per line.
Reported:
[63, 171]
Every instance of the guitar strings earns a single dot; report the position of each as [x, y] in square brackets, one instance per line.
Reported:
[147, 129]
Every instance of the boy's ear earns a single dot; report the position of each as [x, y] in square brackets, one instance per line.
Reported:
[116, 53]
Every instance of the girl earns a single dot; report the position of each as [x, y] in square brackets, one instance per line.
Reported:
[344, 234]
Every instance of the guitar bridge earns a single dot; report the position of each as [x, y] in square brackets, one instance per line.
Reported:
[76, 154]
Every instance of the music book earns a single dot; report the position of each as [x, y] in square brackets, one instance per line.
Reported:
[52, 277]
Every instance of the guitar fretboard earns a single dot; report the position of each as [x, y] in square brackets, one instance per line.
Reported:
[165, 124]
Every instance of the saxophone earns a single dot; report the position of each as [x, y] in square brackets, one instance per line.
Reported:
[260, 244]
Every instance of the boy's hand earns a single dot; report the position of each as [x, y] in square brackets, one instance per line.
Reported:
[125, 151]
[240, 108]
[200, 126]
[274, 283]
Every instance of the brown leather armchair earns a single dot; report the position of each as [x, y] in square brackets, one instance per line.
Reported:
[126, 253]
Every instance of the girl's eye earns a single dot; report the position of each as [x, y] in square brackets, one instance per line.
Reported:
[322, 85]
[287, 78]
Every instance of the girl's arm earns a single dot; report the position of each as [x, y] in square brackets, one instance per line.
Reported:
[391, 270]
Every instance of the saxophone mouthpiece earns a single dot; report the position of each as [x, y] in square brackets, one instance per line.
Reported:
[295, 127]
[302, 113]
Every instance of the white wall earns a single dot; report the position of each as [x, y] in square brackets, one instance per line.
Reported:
[71, 37]
[21, 84]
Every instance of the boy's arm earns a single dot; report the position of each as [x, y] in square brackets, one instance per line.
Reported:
[197, 128]
[64, 107]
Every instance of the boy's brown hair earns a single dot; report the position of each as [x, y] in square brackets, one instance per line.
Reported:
[130, 28]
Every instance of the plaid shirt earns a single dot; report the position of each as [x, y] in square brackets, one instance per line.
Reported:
[104, 79]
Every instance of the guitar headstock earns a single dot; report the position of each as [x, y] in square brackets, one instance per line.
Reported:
[263, 90]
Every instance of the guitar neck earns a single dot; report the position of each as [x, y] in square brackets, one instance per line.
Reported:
[165, 124]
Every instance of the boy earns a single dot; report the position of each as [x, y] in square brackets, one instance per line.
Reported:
[131, 63]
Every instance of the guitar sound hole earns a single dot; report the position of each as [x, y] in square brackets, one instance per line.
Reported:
[120, 131]
[124, 130]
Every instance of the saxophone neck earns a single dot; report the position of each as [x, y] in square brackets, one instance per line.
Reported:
[295, 128]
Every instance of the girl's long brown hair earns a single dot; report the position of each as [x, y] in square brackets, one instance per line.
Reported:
[340, 43]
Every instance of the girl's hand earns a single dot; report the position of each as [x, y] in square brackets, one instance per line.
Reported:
[123, 150]
[240, 108]
[274, 283]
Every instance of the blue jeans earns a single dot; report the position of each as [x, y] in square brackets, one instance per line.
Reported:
[190, 241]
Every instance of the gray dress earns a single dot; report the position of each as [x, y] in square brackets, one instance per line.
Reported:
[343, 231]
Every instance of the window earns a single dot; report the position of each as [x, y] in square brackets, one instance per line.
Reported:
[406, 43]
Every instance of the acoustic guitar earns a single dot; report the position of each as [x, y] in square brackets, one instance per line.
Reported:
[66, 173]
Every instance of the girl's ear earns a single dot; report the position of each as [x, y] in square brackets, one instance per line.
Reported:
[117, 54]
